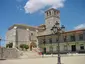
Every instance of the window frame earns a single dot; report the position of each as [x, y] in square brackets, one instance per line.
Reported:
[82, 47]
[80, 37]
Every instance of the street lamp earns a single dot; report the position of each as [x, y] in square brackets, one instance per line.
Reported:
[57, 30]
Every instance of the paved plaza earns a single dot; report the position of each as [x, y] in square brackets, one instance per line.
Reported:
[72, 59]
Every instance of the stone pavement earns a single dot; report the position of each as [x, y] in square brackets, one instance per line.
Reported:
[80, 59]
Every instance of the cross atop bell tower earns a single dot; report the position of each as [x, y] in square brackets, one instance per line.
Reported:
[51, 17]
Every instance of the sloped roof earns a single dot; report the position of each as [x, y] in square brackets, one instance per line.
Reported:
[75, 30]
[72, 31]
[22, 25]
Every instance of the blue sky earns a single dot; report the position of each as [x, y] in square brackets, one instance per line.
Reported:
[72, 14]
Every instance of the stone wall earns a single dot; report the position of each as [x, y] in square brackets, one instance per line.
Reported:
[10, 36]
[9, 53]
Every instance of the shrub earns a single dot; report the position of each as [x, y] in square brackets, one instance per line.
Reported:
[10, 45]
[24, 46]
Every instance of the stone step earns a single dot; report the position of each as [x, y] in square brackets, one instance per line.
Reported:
[30, 54]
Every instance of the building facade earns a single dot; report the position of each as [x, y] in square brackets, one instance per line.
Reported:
[21, 34]
[70, 41]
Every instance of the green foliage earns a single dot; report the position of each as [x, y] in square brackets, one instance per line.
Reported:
[24, 46]
[10, 45]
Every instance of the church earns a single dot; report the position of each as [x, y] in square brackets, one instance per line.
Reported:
[70, 41]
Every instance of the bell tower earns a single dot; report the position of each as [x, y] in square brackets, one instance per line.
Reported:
[51, 17]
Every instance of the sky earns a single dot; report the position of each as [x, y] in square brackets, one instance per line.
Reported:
[31, 12]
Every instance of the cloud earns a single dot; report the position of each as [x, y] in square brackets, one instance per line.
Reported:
[35, 5]
[81, 26]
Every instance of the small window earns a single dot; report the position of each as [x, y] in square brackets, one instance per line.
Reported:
[65, 38]
[56, 39]
[81, 47]
[50, 40]
[49, 12]
[51, 48]
[80, 36]
[31, 34]
[54, 12]
[72, 37]
[65, 47]
[44, 41]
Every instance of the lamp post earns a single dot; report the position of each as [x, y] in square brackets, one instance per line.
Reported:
[57, 30]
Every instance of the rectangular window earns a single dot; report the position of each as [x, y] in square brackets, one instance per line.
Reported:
[56, 48]
[81, 47]
[50, 40]
[44, 42]
[65, 37]
[72, 37]
[56, 39]
[80, 36]
[65, 47]
[51, 49]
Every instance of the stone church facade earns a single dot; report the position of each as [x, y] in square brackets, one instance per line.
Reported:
[70, 41]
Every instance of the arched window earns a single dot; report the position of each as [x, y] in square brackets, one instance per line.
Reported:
[49, 12]
[54, 12]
